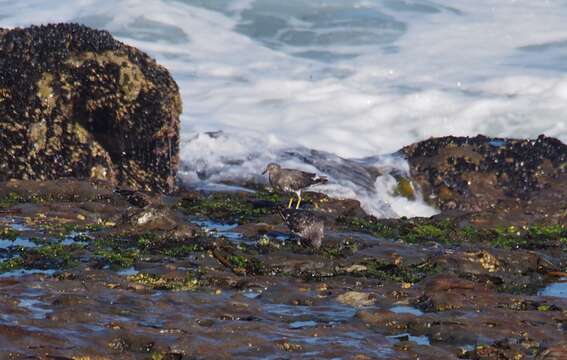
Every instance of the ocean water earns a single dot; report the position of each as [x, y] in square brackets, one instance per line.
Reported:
[334, 86]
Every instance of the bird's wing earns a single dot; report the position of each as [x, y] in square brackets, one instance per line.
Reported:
[303, 179]
[300, 222]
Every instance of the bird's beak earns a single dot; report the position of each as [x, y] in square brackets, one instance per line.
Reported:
[265, 171]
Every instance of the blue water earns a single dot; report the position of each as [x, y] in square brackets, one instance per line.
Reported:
[557, 289]
[400, 309]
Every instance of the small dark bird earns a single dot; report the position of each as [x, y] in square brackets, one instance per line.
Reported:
[292, 181]
[306, 225]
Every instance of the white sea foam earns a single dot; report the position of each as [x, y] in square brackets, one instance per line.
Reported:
[353, 78]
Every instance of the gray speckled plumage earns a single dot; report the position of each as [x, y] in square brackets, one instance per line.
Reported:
[292, 180]
[306, 225]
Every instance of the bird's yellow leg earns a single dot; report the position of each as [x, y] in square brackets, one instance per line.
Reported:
[298, 201]
[290, 202]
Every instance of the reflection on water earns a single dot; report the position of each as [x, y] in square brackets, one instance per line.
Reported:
[406, 310]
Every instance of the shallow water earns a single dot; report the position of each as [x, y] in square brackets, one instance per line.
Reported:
[24, 272]
[128, 271]
[18, 242]
[60, 311]
[420, 340]
[557, 289]
[400, 309]
[29, 238]
[216, 229]
[36, 307]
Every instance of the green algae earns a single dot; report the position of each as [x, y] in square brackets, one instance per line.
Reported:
[153, 243]
[147, 240]
[405, 189]
[7, 233]
[122, 250]
[224, 207]
[251, 265]
[427, 232]
[182, 250]
[405, 229]
[52, 256]
[528, 237]
[118, 258]
[12, 264]
[10, 199]
[446, 231]
[238, 261]
[368, 225]
[13, 198]
[270, 196]
[63, 230]
[341, 250]
[406, 274]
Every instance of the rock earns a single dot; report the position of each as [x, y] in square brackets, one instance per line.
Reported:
[386, 319]
[74, 102]
[356, 299]
[56, 190]
[558, 351]
[502, 181]
[446, 282]
[356, 268]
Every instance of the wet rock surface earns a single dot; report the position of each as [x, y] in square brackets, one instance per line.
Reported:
[74, 102]
[90, 270]
[493, 180]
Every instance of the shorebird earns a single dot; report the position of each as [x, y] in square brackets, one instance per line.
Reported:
[292, 181]
[306, 225]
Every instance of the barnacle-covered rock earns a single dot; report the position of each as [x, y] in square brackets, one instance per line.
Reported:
[74, 102]
[508, 181]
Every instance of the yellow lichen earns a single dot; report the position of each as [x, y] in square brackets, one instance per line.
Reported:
[45, 91]
[135, 174]
[4, 94]
[38, 135]
[405, 188]
[446, 194]
[132, 80]
[164, 283]
[80, 132]
[488, 261]
[99, 172]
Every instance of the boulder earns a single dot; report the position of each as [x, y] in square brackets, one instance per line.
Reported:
[75, 102]
[505, 180]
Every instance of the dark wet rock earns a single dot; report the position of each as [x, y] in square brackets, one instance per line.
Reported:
[74, 102]
[130, 274]
[335, 208]
[356, 298]
[136, 198]
[15, 191]
[501, 181]
[556, 352]
[386, 319]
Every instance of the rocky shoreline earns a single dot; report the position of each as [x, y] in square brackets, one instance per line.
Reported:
[103, 256]
[92, 270]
